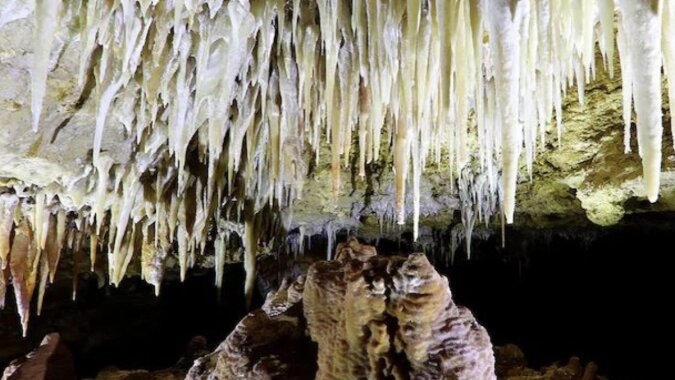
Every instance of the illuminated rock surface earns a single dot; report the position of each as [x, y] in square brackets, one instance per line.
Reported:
[267, 343]
[370, 316]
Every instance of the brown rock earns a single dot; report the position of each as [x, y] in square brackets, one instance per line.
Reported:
[51, 361]
[372, 317]
[392, 317]
[511, 365]
[266, 344]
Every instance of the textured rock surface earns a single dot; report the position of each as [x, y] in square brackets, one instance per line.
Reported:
[267, 343]
[371, 317]
[391, 317]
[56, 154]
[51, 361]
[512, 365]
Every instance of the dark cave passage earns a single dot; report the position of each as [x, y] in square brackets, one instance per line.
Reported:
[129, 327]
[599, 294]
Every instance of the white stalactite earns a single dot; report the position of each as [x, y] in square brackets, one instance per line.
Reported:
[505, 20]
[46, 23]
[641, 23]
[7, 204]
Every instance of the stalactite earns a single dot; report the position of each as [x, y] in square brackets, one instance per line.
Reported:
[641, 23]
[43, 272]
[220, 248]
[46, 23]
[4, 279]
[505, 21]
[24, 259]
[7, 204]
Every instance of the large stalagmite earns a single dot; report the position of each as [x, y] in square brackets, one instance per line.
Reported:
[225, 103]
[372, 317]
[390, 316]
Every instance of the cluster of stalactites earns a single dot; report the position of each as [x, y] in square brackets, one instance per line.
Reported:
[32, 238]
[36, 231]
[257, 82]
[224, 99]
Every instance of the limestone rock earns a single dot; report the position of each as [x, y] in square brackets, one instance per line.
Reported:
[266, 344]
[512, 365]
[371, 317]
[51, 361]
[392, 317]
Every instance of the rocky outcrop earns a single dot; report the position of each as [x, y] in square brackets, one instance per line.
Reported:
[391, 316]
[50, 361]
[512, 365]
[267, 343]
[370, 316]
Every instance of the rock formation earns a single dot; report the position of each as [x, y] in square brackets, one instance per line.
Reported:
[268, 343]
[512, 365]
[370, 316]
[393, 317]
[51, 361]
